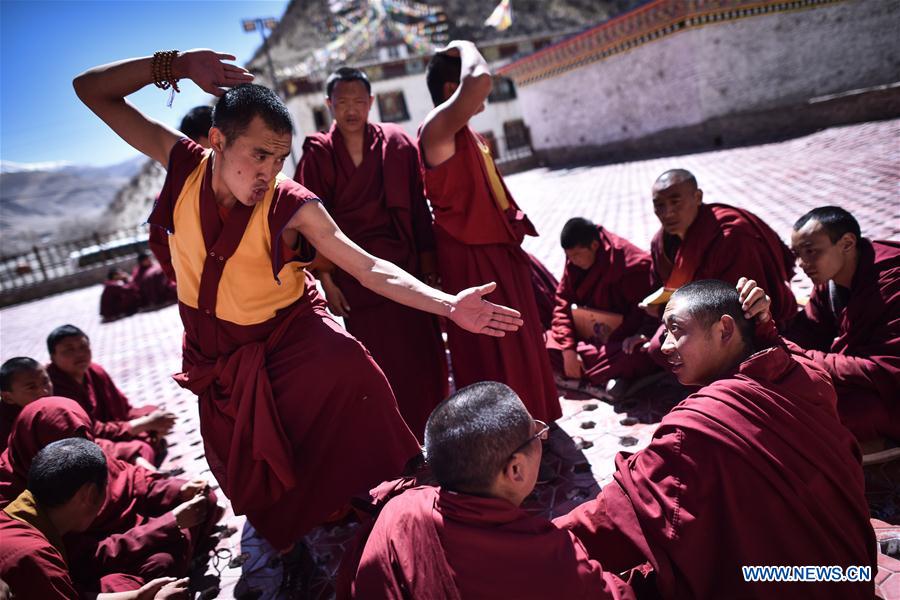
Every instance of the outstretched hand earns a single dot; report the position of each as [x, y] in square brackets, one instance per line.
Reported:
[754, 301]
[473, 313]
[209, 70]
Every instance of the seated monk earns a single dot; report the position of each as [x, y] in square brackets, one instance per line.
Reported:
[76, 376]
[851, 324]
[712, 241]
[469, 538]
[119, 297]
[605, 278]
[155, 287]
[148, 526]
[66, 489]
[752, 469]
[23, 380]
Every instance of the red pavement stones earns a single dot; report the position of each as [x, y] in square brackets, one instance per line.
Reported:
[856, 167]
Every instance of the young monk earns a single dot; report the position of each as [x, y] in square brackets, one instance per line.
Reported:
[851, 324]
[119, 298]
[712, 241]
[66, 489]
[149, 525]
[603, 272]
[295, 415]
[479, 231]
[367, 176]
[76, 376]
[468, 538]
[753, 469]
[22, 381]
[25, 380]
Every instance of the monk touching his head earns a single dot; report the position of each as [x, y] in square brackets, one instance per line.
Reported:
[753, 469]
[468, 538]
[67, 484]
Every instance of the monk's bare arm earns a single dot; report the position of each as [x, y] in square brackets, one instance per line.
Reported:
[103, 89]
[440, 126]
[467, 309]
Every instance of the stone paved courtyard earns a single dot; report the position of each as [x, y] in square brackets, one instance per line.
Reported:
[857, 167]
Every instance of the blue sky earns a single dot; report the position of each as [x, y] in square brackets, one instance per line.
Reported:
[44, 44]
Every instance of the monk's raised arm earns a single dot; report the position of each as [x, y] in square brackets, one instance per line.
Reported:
[459, 102]
[468, 309]
[103, 89]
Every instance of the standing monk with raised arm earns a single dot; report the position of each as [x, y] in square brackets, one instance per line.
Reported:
[367, 176]
[295, 416]
[479, 231]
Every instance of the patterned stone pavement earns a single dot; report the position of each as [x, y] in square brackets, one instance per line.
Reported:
[855, 166]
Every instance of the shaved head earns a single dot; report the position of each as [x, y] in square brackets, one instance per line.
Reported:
[470, 435]
[674, 177]
[707, 300]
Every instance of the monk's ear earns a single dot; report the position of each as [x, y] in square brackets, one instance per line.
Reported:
[847, 242]
[728, 328]
[698, 194]
[6, 397]
[514, 471]
[449, 89]
[217, 139]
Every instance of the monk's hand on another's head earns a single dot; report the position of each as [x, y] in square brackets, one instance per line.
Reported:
[191, 513]
[754, 300]
[193, 488]
[472, 312]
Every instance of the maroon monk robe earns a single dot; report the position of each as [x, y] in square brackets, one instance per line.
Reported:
[109, 409]
[478, 243]
[859, 344]
[432, 544]
[134, 532]
[380, 205]
[725, 243]
[544, 284]
[119, 299]
[753, 469]
[295, 415]
[8, 414]
[618, 280]
[154, 285]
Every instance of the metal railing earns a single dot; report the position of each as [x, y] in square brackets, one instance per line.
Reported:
[50, 262]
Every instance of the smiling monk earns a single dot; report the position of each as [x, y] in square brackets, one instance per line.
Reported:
[295, 415]
[752, 469]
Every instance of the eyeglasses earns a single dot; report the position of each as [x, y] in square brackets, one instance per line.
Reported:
[542, 434]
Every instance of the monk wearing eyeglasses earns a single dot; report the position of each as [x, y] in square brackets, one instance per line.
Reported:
[468, 537]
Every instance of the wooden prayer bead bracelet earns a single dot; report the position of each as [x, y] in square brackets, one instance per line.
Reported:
[161, 68]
